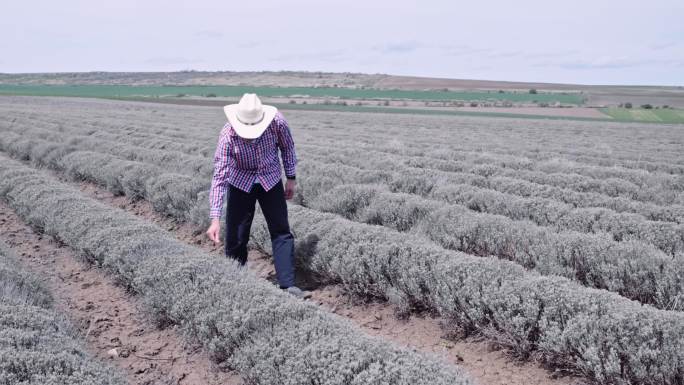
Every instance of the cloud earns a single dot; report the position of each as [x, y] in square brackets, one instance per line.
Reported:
[209, 34]
[320, 56]
[607, 62]
[249, 44]
[661, 46]
[461, 49]
[550, 55]
[399, 47]
[170, 60]
[602, 62]
[265, 43]
[482, 67]
[504, 54]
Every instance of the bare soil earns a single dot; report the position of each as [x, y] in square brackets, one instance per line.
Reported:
[108, 317]
[485, 363]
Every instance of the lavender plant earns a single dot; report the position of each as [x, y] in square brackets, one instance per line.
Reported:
[246, 323]
[38, 345]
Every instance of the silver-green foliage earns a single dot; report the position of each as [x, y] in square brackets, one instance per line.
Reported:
[38, 345]
[667, 236]
[319, 178]
[246, 323]
[424, 180]
[632, 268]
[592, 332]
[169, 193]
[664, 189]
[17, 285]
[603, 362]
[447, 153]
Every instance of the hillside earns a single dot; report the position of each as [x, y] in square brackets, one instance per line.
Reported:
[595, 94]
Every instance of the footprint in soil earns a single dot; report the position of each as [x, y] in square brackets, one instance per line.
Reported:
[99, 326]
[89, 284]
[156, 348]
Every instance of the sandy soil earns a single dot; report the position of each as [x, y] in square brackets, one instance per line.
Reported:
[485, 363]
[108, 317]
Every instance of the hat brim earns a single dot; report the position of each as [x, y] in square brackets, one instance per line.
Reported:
[249, 131]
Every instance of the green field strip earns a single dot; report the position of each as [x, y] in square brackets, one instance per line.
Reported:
[314, 92]
[168, 95]
[645, 115]
[363, 109]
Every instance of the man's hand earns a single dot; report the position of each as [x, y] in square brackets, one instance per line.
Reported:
[290, 186]
[213, 231]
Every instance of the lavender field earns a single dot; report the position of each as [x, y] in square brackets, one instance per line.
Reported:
[559, 241]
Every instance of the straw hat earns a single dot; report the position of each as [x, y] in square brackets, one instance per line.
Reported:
[249, 117]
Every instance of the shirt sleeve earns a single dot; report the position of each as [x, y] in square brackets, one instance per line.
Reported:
[219, 182]
[286, 145]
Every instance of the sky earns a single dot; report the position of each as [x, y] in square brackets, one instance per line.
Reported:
[581, 41]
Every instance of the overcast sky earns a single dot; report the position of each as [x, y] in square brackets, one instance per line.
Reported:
[580, 41]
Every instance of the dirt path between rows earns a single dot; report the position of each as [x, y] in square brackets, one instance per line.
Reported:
[485, 364]
[107, 316]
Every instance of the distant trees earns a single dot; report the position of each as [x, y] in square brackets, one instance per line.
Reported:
[646, 106]
[533, 91]
[628, 105]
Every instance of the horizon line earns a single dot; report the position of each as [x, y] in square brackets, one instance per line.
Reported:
[344, 72]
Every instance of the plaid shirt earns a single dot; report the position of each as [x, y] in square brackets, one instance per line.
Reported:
[241, 162]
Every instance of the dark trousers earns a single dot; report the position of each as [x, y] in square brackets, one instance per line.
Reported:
[239, 221]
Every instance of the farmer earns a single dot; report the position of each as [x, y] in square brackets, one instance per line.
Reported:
[246, 164]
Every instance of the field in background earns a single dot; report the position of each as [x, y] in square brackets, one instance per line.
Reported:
[596, 95]
[365, 92]
[645, 115]
[356, 100]
[108, 91]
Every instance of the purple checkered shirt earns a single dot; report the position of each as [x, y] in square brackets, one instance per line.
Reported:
[241, 163]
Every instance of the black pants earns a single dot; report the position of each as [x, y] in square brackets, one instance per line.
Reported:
[239, 222]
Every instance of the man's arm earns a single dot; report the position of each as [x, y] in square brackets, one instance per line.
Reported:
[219, 182]
[286, 145]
